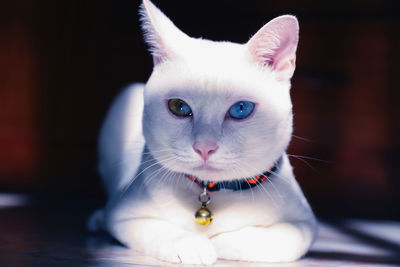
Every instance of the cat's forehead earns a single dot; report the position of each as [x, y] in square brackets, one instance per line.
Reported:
[213, 71]
[214, 52]
[203, 96]
[206, 89]
[182, 80]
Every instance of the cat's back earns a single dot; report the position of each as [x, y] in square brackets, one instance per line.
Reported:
[121, 140]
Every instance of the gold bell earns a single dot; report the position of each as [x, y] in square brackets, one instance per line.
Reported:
[203, 216]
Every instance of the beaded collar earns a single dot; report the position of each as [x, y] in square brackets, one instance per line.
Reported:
[240, 184]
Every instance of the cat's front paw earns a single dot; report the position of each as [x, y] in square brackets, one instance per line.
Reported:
[282, 242]
[189, 249]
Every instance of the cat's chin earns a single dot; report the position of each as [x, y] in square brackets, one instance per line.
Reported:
[207, 168]
[207, 172]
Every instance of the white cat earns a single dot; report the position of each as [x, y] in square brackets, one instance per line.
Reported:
[212, 113]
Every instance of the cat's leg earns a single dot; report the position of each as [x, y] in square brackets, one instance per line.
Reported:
[282, 242]
[165, 241]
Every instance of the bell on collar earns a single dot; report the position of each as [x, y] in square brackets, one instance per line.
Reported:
[203, 215]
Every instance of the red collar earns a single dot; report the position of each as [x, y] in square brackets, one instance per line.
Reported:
[240, 184]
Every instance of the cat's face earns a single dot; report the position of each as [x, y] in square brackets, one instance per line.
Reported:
[212, 109]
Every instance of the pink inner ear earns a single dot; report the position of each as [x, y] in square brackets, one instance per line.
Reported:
[286, 65]
[275, 44]
[284, 57]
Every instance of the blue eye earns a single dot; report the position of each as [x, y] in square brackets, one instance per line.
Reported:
[179, 107]
[241, 110]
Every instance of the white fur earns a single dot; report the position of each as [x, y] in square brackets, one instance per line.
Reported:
[145, 152]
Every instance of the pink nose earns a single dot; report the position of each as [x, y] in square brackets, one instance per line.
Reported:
[205, 149]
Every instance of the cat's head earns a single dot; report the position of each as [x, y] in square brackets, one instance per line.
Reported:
[218, 110]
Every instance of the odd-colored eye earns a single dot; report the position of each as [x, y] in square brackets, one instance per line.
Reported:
[179, 108]
[241, 110]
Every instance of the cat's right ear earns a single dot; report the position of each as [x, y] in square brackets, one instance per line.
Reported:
[160, 33]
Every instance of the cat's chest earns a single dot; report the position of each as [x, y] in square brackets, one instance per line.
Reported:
[177, 202]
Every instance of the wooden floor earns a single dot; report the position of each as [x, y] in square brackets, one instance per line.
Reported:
[51, 232]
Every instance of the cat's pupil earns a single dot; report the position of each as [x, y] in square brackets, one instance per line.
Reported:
[241, 106]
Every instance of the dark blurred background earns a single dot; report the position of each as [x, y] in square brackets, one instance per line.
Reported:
[62, 62]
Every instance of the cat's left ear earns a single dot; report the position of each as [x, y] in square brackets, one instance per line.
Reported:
[275, 44]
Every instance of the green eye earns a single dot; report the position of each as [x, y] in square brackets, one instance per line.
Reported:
[179, 108]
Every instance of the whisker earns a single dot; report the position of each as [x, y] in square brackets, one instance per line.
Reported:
[258, 184]
[251, 189]
[307, 163]
[133, 179]
[283, 178]
[240, 187]
[158, 151]
[235, 169]
[173, 177]
[148, 179]
[164, 177]
[302, 138]
[126, 158]
[310, 158]
[153, 175]
[277, 191]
